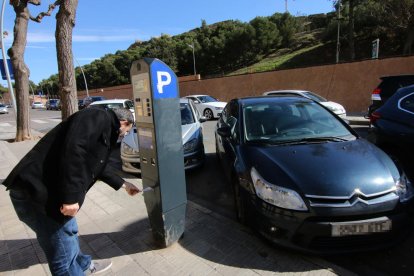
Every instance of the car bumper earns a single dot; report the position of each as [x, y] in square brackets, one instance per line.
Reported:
[217, 113]
[311, 233]
[194, 159]
[131, 164]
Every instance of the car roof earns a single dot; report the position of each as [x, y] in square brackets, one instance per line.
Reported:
[286, 91]
[397, 76]
[273, 98]
[110, 101]
[197, 95]
[184, 100]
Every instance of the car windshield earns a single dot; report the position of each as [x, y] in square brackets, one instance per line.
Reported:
[315, 97]
[292, 121]
[53, 101]
[186, 114]
[207, 99]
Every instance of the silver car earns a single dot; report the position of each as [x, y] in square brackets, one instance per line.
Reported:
[334, 107]
[192, 136]
[3, 109]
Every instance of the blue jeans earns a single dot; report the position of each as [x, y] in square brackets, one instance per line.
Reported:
[59, 241]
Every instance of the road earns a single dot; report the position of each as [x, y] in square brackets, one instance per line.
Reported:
[41, 120]
[208, 187]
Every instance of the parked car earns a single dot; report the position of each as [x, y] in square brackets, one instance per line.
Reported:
[392, 128]
[53, 104]
[38, 105]
[207, 105]
[80, 104]
[304, 179]
[386, 88]
[333, 106]
[116, 103]
[192, 136]
[3, 109]
[88, 100]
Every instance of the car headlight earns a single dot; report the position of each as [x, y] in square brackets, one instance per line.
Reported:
[190, 145]
[404, 188]
[275, 195]
[129, 150]
[218, 108]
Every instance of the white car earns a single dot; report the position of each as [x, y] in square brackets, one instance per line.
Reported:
[192, 136]
[334, 107]
[116, 103]
[3, 109]
[208, 106]
[38, 105]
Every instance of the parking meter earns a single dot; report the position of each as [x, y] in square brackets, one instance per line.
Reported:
[158, 122]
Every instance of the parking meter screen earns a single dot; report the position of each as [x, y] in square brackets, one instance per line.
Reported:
[145, 138]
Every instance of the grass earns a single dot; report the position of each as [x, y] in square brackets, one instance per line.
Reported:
[278, 60]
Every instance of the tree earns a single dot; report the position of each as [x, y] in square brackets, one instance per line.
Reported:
[65, 21]
[266, 34]
[21, 71]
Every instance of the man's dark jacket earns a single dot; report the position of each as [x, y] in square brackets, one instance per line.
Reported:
[68, 160]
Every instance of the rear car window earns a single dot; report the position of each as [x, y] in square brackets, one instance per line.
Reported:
[408, 103]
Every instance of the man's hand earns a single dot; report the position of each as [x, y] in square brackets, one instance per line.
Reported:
[69, 209]
[131, 188]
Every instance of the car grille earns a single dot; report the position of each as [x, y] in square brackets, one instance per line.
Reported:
[348, 201]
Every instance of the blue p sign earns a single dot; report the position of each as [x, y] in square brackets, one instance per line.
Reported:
[164, 81]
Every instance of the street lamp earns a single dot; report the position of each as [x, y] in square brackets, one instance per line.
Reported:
[338, 44]
[84, 78]
[192, 47]
[6, 65]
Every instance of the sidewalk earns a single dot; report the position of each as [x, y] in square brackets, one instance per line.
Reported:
[115, 225]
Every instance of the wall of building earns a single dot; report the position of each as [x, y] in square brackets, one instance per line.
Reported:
[349, 84]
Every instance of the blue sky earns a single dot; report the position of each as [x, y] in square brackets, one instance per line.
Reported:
[104, 26]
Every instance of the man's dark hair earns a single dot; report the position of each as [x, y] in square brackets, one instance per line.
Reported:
[124, 114]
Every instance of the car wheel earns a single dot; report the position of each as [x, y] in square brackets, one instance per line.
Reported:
[239, 202]
[208, 114]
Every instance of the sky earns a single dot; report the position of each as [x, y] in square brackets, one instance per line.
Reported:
[104, 27]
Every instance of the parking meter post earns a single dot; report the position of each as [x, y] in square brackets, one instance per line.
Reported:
[158, 121]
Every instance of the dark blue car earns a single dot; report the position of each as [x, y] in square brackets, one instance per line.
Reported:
[304, 179]
[392, 128]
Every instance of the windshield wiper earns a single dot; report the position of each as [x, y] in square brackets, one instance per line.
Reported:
[323, 139]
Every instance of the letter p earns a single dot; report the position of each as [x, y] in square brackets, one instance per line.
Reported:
[163, 79]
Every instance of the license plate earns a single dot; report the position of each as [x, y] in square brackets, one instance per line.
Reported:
[361, 227]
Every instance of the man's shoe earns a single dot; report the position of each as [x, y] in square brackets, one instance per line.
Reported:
[98, 267]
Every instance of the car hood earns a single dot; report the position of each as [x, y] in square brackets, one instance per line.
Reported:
[325, 169]
[216, 104]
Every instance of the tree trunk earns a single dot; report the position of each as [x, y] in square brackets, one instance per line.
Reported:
[21, 71]
[65, 21]
[351, 30]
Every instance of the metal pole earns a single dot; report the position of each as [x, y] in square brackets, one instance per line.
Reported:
[338, 44]
[194, 62]
[6, 65]
[84, 78]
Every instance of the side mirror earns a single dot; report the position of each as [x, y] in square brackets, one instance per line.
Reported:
[202, 119]
[224, 131]
[196, 102]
